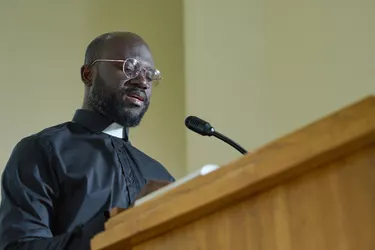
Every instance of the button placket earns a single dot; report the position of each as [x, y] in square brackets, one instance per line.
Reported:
[126, 164]
[118, 148]
[131, 178]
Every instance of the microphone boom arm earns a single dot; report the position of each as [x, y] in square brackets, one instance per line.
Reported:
[229, 141]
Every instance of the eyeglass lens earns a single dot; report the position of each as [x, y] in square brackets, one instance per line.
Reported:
[132, 68]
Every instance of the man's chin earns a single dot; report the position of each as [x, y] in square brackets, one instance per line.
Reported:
[130, 114]
[130, 117]
[133, 111]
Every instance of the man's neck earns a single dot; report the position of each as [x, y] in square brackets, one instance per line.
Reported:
[100, 123]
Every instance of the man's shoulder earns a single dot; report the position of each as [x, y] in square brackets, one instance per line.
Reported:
[54, 130]
[33, 147]
[43, 136]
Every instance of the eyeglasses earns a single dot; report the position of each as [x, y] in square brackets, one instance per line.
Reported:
[132, 68]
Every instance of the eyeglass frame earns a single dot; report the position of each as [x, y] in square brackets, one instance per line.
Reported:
[123, 68]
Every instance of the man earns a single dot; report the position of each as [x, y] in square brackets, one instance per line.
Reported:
[59, 184]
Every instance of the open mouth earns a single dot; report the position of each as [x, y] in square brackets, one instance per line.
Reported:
[137, 97]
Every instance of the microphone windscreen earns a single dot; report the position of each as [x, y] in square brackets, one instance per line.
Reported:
[198, 125]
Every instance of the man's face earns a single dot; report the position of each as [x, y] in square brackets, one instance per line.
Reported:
[114, 95]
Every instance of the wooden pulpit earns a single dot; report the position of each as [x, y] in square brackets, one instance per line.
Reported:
[312, 189]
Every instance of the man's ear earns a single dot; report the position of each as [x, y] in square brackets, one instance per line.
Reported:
[86, 75]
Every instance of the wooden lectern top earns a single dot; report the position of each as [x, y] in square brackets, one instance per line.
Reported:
[330, 138]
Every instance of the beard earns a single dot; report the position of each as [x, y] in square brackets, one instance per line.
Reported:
[110, 103]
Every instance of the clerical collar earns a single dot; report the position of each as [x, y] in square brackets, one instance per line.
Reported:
[100, 124]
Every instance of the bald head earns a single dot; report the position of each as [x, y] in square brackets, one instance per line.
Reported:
[100, 44]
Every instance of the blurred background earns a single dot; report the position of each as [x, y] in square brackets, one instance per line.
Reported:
[255, 69]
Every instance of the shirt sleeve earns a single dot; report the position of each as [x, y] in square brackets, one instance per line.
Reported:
[29, 189]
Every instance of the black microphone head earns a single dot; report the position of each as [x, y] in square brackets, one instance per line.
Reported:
[199, 126]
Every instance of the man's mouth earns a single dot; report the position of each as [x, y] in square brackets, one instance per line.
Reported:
[138, 97]
[135, 97]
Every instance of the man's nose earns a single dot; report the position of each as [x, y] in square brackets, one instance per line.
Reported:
[140, 81]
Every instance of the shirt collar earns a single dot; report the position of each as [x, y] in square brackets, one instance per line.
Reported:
[98, 123]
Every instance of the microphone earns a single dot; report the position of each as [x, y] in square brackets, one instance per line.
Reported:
[204, 128]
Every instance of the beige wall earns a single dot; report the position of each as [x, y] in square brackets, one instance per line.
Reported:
[41, 50]
[40, 55]
[261, 68]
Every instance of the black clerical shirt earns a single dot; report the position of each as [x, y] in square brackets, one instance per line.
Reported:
[60, 183]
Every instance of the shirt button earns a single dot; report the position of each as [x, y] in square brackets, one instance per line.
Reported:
[131, 180]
